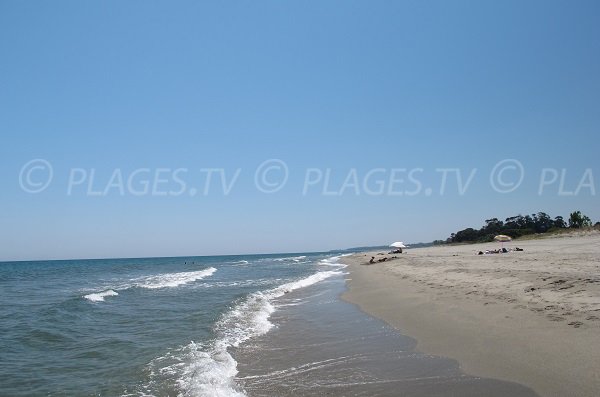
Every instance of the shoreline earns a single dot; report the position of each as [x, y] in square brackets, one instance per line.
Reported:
[323, 345]
[530, 317]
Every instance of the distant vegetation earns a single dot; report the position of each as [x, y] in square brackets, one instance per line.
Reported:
[517, 226]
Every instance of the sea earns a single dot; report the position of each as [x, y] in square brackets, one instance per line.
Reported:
[251, 325]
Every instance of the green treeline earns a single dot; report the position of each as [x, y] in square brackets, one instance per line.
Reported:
[517, 226]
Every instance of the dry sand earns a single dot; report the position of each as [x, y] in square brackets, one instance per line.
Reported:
[531, 317]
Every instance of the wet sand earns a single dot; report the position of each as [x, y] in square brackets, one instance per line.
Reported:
[322, 345]
[530, 317]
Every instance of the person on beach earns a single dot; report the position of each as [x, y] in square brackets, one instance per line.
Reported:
[372, 260]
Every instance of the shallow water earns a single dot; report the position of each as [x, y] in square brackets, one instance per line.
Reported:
[325, 346]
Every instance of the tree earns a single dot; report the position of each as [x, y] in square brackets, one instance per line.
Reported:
[515, 222]
[517, 226]
[468, 234]
[542, 222]
[529, 222]
[492, 226]
[578, 220]
[559, 222]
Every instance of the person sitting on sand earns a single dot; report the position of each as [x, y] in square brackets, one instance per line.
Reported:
[372, 260]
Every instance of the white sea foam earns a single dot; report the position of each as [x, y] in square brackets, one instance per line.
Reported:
[305, 282]
[241, 283]
[290, 259]
[242, 262]
[167, 280]
[210, 370]
[332, 261]
[99, 296]
[173, 279]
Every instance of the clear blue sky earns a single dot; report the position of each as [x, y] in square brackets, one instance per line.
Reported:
[316, 84]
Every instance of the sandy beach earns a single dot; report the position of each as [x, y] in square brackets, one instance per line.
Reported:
[531, 317]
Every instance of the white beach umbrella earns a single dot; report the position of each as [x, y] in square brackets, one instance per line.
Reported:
[398, 244]
[502, 238]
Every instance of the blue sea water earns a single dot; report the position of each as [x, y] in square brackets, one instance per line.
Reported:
[134, 327]
[231, 326]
